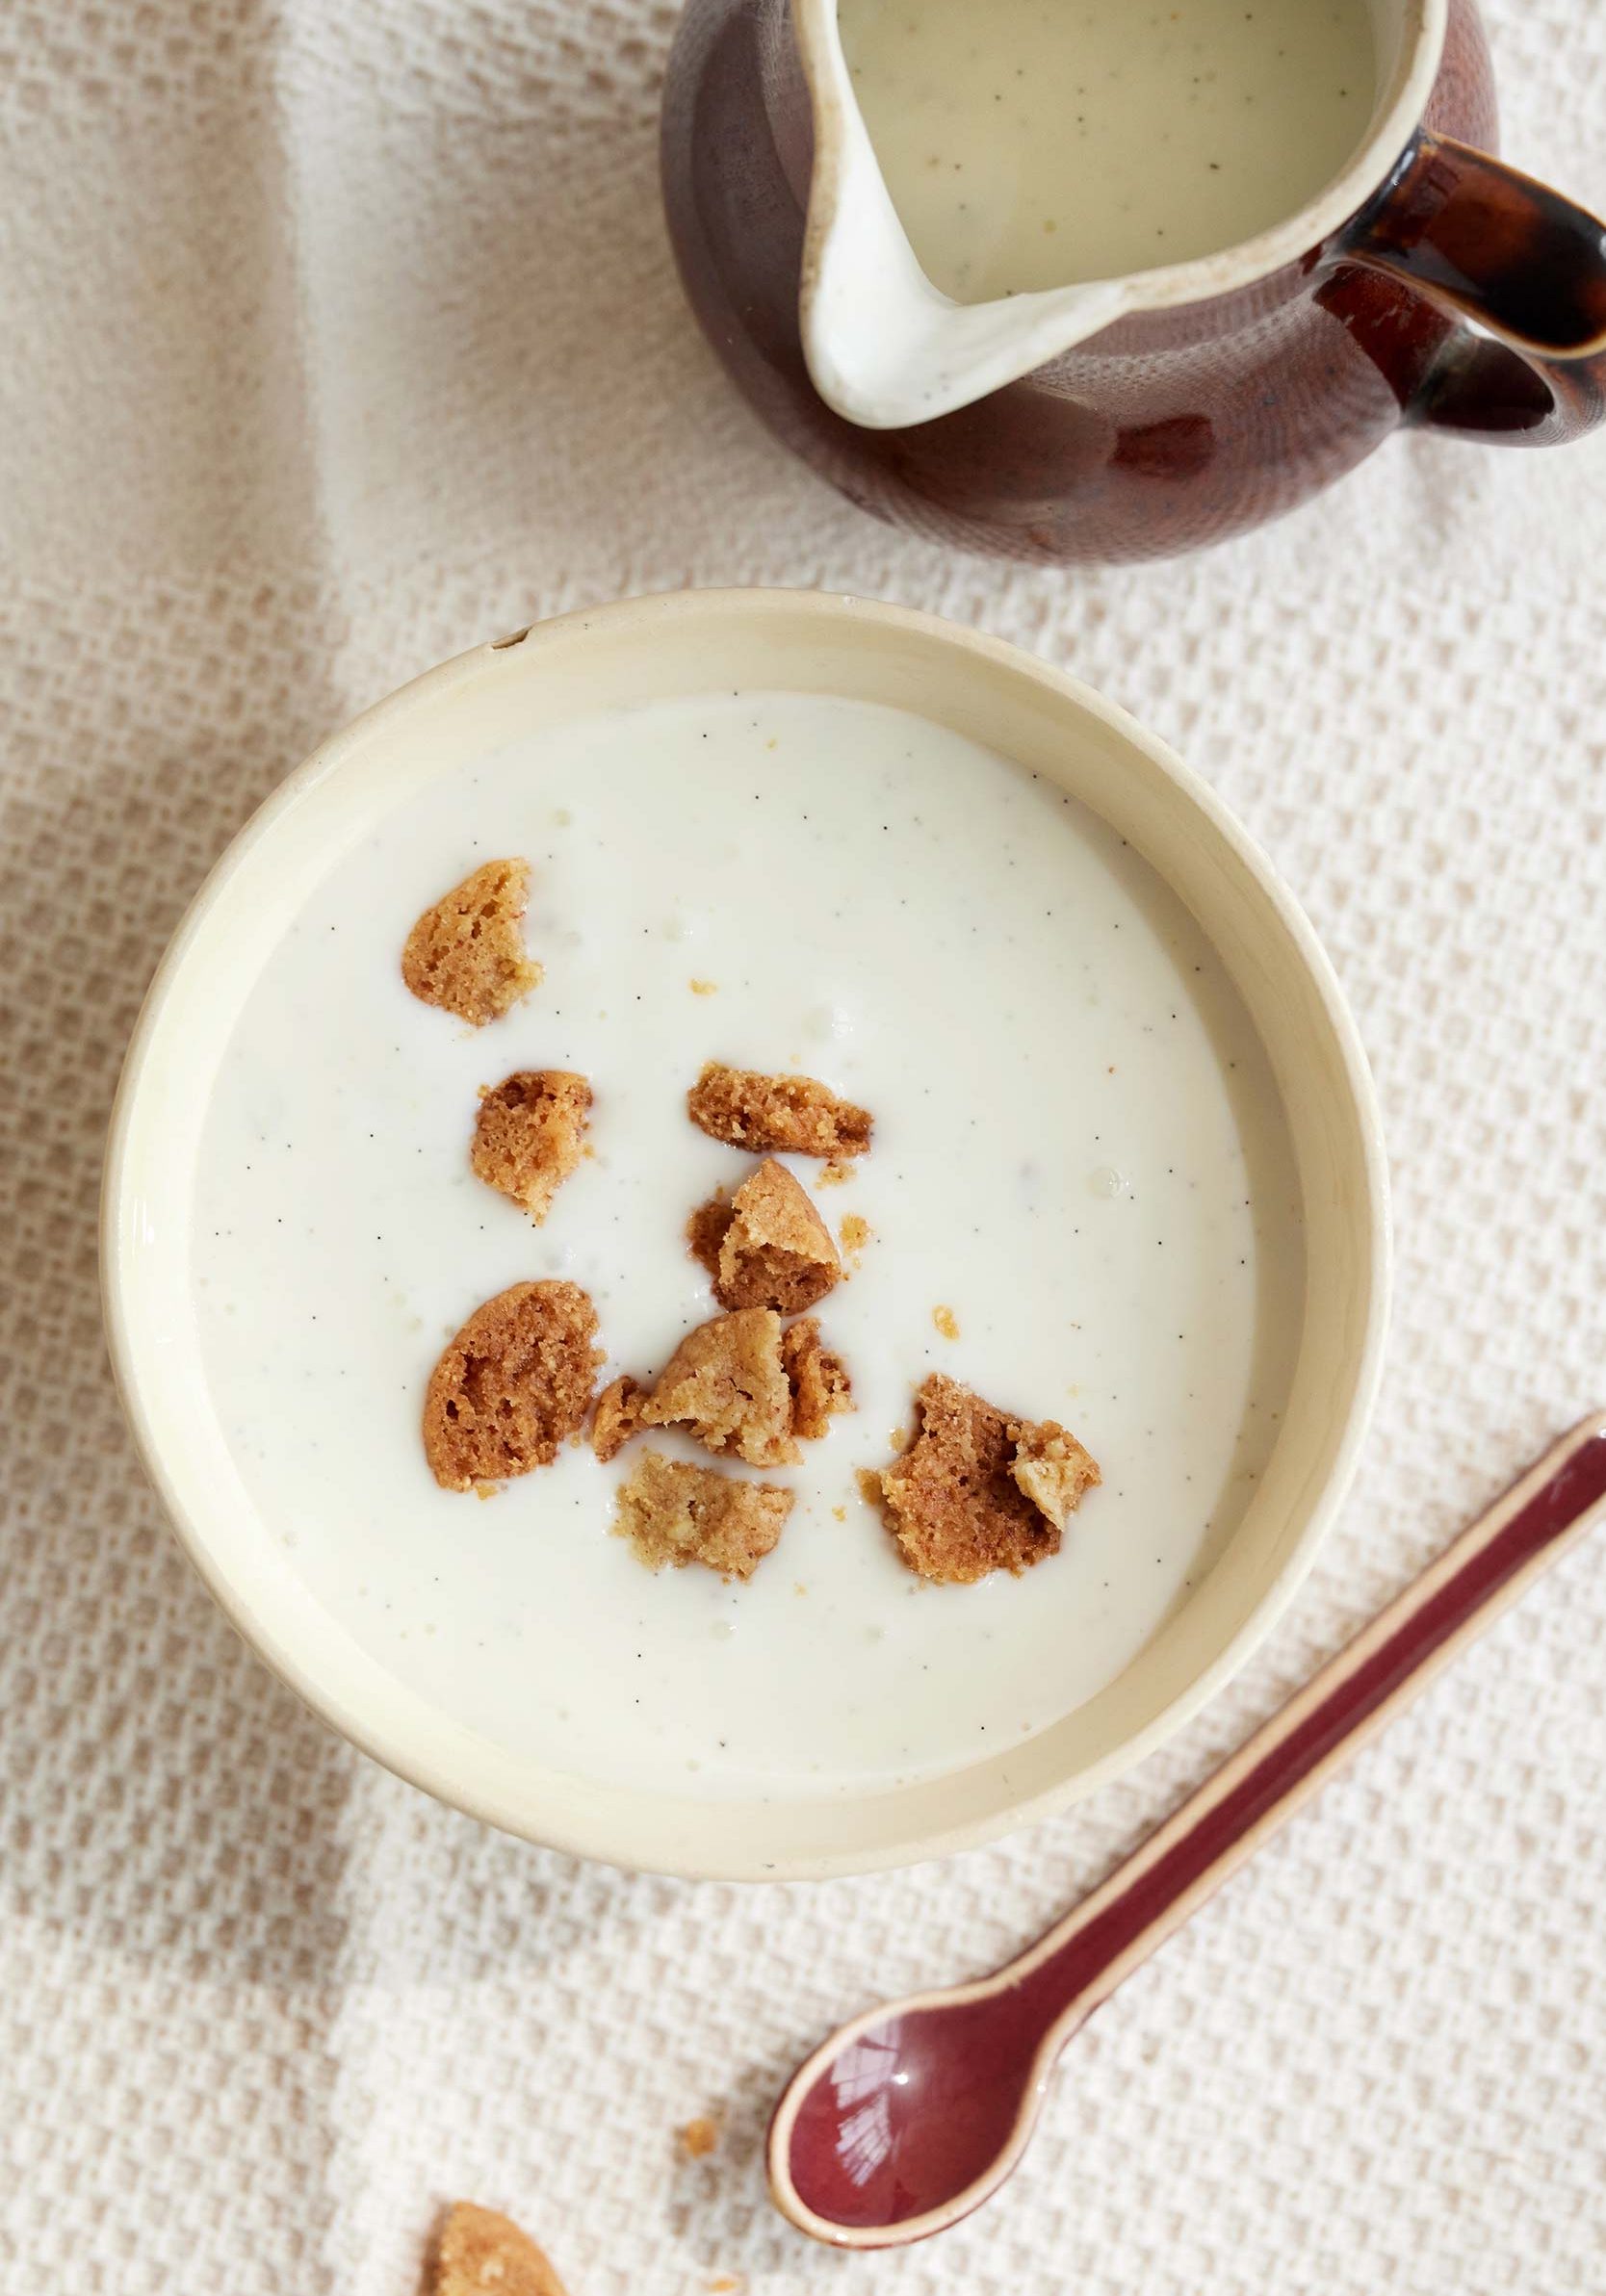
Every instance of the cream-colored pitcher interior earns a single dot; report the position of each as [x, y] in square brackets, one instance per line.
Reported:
[993, 186]
[1035, 142]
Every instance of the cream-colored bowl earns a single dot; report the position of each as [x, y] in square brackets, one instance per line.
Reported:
[713, 641]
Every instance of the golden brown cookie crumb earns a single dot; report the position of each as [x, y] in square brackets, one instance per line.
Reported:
[705, 1231]
[528, 1134]
[821, 1385]
[618, 1417]
[478, 2252]
[673, 1512]
[726, 1382]
[1052, 1468]
[703, 987]
[467, 954]
[773, 1249]
[512, 1385]
[855, 1234]
[833, 1174]
[946, 1322]
[781, 1114]
[700, 2137]
[954, 1506]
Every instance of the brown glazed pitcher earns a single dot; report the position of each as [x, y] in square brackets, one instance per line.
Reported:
[1125, 418]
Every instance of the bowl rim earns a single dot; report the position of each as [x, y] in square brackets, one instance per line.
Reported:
[437, 1774]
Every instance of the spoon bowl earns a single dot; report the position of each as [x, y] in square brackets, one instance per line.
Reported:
[922, 2108]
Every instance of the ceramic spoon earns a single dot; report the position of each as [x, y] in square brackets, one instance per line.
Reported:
[915, 2114]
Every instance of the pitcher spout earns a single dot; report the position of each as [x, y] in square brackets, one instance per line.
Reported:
[885, 348]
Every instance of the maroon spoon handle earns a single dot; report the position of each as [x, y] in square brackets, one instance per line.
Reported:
[1084, 1958]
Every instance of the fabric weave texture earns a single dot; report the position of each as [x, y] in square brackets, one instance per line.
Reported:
[339, 339]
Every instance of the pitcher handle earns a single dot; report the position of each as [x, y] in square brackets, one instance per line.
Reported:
[1490, 244]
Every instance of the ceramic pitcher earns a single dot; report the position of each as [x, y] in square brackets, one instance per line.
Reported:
[1428, 284]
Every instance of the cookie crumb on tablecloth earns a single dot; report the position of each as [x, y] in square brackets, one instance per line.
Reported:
[478, 2253]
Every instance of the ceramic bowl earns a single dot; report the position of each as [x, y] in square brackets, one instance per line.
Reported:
[710, 642]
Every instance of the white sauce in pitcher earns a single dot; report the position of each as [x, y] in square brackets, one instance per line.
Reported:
[1030, 143]
[1077, 1152]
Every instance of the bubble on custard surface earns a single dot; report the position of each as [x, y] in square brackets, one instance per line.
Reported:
[828, 1025]
[1105, 1180]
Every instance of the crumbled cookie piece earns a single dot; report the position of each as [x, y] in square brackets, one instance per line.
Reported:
[955, 1507]
[855, 1234]
[1052, 1468]
[821, 1386]
[774, 1249]
[617, 1417]
[528, 1134]
[706, 1230]
[946, 1322]
[674, 1512]
[513, 1385]
[780, 1114]
[700, 2137]
[727, 1384]
[481, 2254]
[467, 953]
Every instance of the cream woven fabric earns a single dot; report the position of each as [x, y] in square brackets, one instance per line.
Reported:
[336, 338]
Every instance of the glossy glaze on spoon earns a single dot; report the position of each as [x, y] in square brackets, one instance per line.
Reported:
[910, 2117]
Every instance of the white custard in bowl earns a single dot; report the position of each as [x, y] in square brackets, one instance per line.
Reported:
[291, 1230]
[1080, 1154]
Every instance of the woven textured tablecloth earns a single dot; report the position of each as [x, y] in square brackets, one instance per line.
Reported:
[338, 338]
